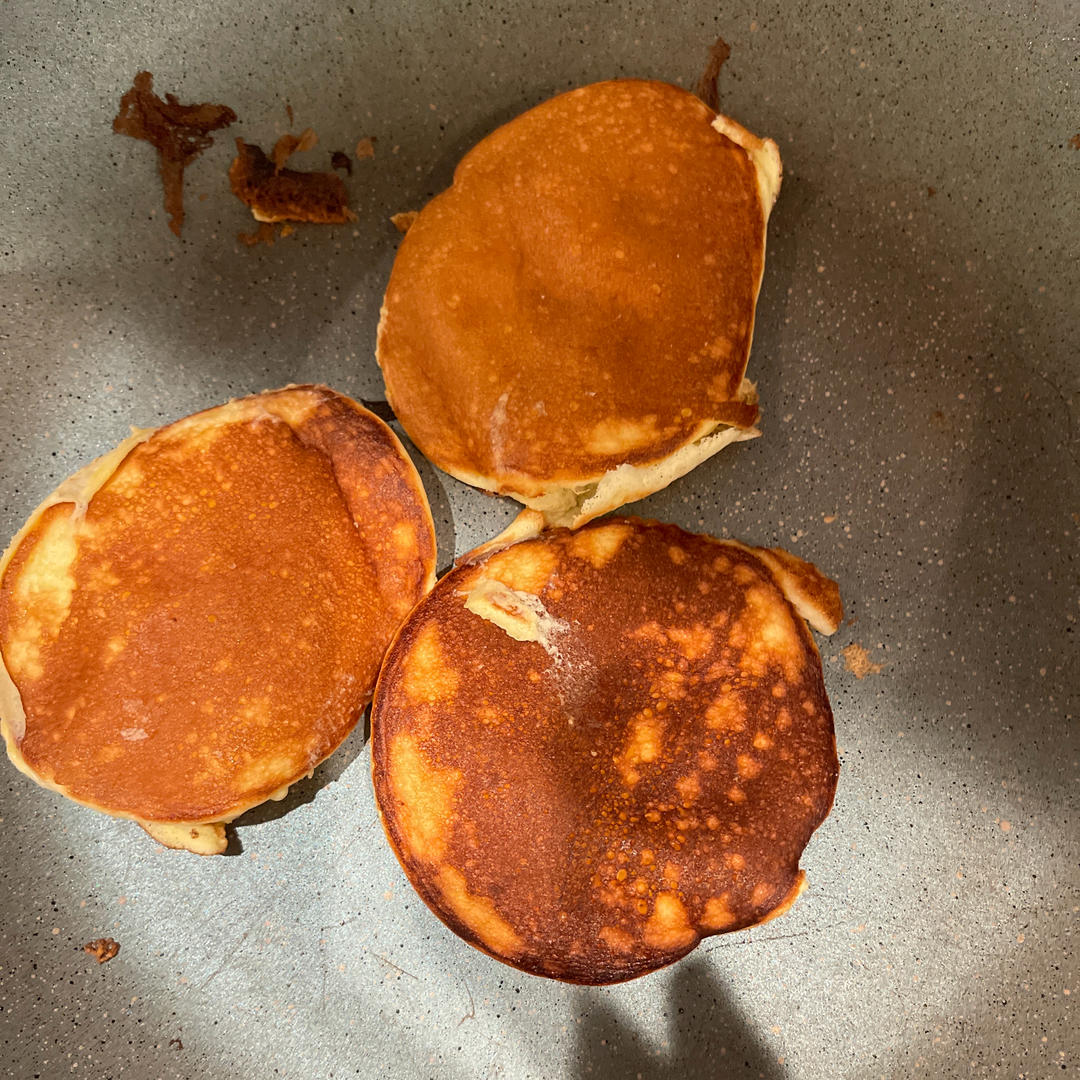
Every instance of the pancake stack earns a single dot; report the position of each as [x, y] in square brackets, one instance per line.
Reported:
[193, 622]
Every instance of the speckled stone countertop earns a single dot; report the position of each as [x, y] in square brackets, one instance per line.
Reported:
[916, 354]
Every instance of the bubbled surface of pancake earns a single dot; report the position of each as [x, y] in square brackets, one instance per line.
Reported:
[208, 626]
[588, 798]
[583, 296]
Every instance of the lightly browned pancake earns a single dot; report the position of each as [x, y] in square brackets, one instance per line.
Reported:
[592, 749]
[569, 323]
[194, 621]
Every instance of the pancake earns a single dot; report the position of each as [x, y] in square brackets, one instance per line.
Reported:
[569, 323]
[194, 621]
[592, 749]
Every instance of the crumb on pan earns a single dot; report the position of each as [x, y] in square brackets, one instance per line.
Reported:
[706, 88]
[266, 234]
[275, 193]
[341, 161]
[365, 148]
[102, 949]
[403, 221]
[179, 133]
[857, 661]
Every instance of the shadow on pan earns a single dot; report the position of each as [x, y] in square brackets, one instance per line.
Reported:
[705, 1036]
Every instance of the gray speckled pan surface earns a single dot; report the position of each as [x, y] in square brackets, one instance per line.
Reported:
[916, 353]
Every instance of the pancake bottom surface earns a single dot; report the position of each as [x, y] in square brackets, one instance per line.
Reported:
[592, 749]
[194, 623]
[569, 323]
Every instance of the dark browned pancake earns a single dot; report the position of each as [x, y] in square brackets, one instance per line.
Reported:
[592, 749]
[570, 322]
[196, 620]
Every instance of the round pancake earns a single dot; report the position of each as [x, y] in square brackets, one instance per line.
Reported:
[196, 620]
[569, 323]
[592, 749]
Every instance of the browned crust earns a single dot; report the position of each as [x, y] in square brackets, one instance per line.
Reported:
[179, 134]
[553, 316]
[102, 949]
[238, 576]
[511, 787]
[281, 194]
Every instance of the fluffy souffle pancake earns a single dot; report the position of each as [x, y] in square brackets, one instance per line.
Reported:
[592, 749]
[194, 621]
[569, 323]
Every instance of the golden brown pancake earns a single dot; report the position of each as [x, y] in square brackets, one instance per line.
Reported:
[569, 323]
[592, 749]
[194, 621]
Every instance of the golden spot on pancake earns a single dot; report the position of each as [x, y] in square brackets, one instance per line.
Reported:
[478, 913]
[526, 567]
[726, 714]
[257, 710]
[766, 632]
[735, 861]
[694, 642]
[647, 857]
[404, 541]
[669, 926]
[423, 796]
[749, 767]
[101, 579]
[616, 436]
[717, 915]
[650, 631]
[676, 554]
[736, 794]
[617, 940]
[642, 748]
[670, 686]
[689, 788]
[427, 676]
[744, 575]
[762, 741]
[762, 894]
[490, 716]
[600, 545]
[671, 874]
